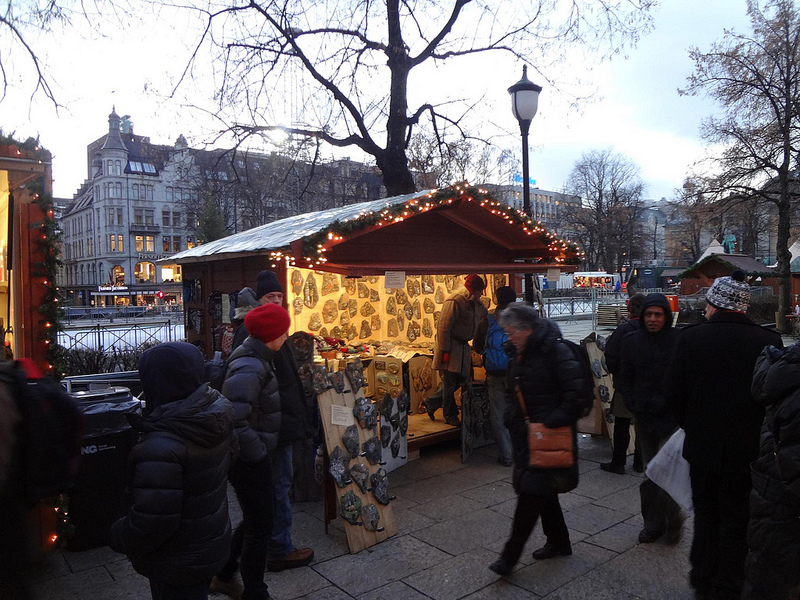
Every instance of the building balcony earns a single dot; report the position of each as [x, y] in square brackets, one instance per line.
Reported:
[145, 228]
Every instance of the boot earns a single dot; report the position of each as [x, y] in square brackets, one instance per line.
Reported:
[550, 549]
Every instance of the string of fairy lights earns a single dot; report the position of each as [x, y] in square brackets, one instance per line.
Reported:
[558, 250]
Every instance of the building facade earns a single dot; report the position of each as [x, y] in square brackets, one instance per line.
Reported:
[144, 202]
[548, 207]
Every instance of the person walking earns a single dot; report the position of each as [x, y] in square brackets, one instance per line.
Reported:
[549, 378]
[461, 314]
[645, 356]
[622, 416]
[490, 341]
[772, 566]
[252, 386]
[177, 531]
[708, 388]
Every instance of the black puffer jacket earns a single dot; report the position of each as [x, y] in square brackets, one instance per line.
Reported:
[645, 357]
[549, 376]
[177, 530]
[613, 351]
[772, 568]
[295, 416]
[251, 384]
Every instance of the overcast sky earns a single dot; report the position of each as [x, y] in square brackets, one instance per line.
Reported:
[637, 111]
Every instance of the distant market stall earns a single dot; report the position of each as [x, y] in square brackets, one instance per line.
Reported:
[375, 275]
[703, 273]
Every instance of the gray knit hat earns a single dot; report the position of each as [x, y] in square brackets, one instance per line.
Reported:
[730, 293]
[245, 302]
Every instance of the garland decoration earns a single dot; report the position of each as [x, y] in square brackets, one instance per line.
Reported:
[558, 251]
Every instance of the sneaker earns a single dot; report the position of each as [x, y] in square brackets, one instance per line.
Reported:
[230, 588]
[648, 537]
[501, 567]
[549, 550]
[299, 557]
[611, 467]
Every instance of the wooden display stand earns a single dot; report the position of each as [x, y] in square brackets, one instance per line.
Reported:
[595, 422]
[358, 537]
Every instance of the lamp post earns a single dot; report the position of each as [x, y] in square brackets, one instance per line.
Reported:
[524, 104]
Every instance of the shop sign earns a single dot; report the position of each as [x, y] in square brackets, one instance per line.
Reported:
[151, 256]
[112, 288]
[553, 274]
[394, 280]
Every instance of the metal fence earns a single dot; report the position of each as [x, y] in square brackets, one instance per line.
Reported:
[108, 336]
[125, 314]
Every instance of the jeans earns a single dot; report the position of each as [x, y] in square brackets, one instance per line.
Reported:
[529, 508]
[164, 591]
[721, 515]
[252, 483]
[280, 544]
[660, 512]
[451, 382]
[498, 400]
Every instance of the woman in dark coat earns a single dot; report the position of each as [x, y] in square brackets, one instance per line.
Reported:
[550, 379]
[177, 532]
[772, 567]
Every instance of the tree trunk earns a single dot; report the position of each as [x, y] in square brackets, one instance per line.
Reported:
[784, 259]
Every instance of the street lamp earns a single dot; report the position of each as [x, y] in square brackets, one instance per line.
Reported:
[524, 104]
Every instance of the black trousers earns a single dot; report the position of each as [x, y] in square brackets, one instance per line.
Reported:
[719, 547]
[529, 508]
[659, 511]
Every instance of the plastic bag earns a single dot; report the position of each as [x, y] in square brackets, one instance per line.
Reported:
[670, 471]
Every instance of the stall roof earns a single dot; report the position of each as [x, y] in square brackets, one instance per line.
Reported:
[426, 232]
[749, 265]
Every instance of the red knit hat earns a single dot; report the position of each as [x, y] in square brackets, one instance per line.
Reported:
[267, 322]
[474, 283]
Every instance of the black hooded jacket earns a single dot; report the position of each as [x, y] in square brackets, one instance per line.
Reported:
[177, 530]
[773, 534]
[645, 357]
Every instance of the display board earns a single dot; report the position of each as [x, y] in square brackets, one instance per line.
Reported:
[595, 422]
[350, 423]
[362, 309]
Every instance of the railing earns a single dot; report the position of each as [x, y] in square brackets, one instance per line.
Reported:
[108, 336]
[126, 314]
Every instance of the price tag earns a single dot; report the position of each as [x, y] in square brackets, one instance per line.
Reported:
[342, 415]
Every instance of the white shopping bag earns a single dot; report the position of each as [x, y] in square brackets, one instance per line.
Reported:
[670, 471]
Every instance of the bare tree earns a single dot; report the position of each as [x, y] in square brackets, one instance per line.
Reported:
[692, 210]
[756, 80]
[350, 63]
[607, 222]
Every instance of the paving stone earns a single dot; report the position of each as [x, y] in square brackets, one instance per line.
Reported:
[397, 590]
[647, 575]
[120, 569]
[94, 557]
[440, 509]
[546, 576]
[51, 565]
[466, 532]
[328, 593]
[399, 504]
[535, 541]
[409, 521]
[294, 583]
[592, 519]
[492, 493]
[626, 500]
[506, 508]
[594, 448]
[587, 465]
[134, 587]
[74, 585]
[502, 590]
[619, 538]
[309, 532]
[682, 547]
[391, 560]
[455, 577]
[599, 484]
[588, 589]
[436, 487]
[572, 500]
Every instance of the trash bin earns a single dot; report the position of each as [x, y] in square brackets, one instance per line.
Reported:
[95, 502]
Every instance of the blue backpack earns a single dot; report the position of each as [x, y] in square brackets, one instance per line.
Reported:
[494, 355]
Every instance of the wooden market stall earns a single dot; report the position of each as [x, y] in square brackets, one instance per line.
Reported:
[703, 273]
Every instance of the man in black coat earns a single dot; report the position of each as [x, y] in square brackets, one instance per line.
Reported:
[645, 356]
[622, 416]
[708, 387]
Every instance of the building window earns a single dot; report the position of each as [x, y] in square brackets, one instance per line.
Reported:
[149, 216]
[149, 192]
[112, 243]
[167, 243]
[118, 190]
[190, 243]
[120, 245]
[138, 216]
[176, 219]
[145, 272]
[117, 275]
[150, 243]
[171, 273]
[138, 243]
[170, 194]
[165, 218]
[135, 190]
[176, 243]
[117, 167]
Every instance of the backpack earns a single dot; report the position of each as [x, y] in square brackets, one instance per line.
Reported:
[215, 370]
[494, 354]
[587, 391]
[48, 433]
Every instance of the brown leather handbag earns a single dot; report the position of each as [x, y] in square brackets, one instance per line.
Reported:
[547, 448]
